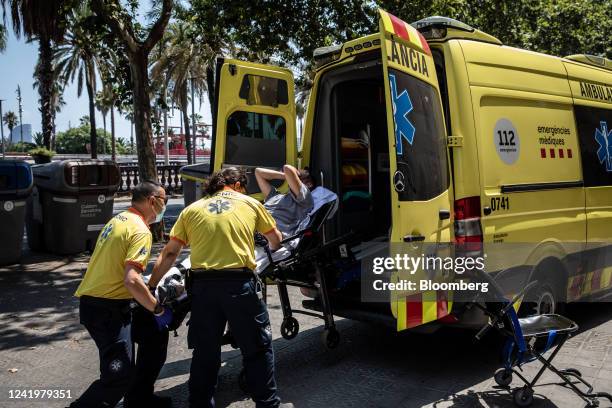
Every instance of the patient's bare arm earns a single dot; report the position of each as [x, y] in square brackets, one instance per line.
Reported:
[263, 177]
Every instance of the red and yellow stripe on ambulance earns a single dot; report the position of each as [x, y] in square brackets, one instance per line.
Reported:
[404, 49]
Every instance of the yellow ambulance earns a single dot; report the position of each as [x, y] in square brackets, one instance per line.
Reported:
[437, 132]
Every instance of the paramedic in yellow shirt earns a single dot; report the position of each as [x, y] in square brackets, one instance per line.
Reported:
[112, 280]
[220, 230]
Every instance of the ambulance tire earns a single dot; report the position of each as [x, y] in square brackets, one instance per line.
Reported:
[543, 299]
[523, 397]
[503, 377]
[290, 327]
[331, 338]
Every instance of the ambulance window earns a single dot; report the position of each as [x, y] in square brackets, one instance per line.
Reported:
[420, 138]
[260, 90]
[441, 74]
[255, 139]
[595, 134]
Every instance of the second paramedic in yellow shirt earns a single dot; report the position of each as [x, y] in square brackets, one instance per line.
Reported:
[112, 280]
[220, 230]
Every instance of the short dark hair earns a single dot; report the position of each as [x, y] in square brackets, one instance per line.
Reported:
[306, 176]
[226, 177]
[144, 190]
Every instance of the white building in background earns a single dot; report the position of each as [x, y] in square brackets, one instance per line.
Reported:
[15, 135]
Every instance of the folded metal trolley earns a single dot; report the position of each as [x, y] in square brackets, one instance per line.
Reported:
[528, 339]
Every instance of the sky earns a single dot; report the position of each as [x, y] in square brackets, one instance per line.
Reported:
[17, 67]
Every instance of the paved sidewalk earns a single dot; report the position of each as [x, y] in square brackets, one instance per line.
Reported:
[42, 345]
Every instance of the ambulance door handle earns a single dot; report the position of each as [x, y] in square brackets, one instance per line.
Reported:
[486, 210]
[413, 238]
[444, 214]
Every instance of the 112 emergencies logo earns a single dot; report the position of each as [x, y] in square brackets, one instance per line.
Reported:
[603, 137]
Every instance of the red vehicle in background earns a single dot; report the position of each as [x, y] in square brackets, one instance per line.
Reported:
[177, 145]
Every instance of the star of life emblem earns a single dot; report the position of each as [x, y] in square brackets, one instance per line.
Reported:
[116, 365]
[603, 137]
[219, 206]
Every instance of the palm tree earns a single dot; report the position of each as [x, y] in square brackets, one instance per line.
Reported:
[43, 21]
[10, 119]
[76, 56]
[2, 38]
[110, 64]
[104, 105]
[57, 97]
[180, 59]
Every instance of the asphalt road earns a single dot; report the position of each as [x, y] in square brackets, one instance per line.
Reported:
[42, 345]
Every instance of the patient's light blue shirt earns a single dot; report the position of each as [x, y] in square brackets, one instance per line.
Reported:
[288, 210]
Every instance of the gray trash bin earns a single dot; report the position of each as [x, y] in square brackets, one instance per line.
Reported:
[71, 202]
[194, 176]
[15, 187]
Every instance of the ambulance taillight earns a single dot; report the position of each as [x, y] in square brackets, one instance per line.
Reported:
[467, 220]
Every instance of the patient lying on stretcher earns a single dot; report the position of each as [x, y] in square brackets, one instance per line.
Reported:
[291, 211]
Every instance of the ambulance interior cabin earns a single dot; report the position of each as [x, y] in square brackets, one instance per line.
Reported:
[350, 149]
[350, 156]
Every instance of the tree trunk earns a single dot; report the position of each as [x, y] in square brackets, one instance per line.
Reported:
[185, 114]
[45, 88]
[142, 116]
[104, 128]
[93, 135]
[113, 141]
[210, 84]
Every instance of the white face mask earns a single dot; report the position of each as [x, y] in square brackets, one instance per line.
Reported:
[159, 217]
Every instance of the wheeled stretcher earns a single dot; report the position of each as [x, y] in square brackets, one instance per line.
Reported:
[300, 261]
[303, 266]
[528, 339]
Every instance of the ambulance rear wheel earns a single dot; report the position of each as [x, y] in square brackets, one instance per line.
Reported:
[290, 328]
[523, 397]
[331, 338]
[503, 377]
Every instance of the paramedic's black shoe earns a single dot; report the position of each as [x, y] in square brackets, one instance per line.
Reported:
[154, 401]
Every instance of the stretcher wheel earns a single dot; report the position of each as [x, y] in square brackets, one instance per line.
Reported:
[523, 397]
[331, 338]
[503, 377]
[290, 328]
[242, 382]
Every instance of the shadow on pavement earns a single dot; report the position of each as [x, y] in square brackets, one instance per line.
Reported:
[374, 367]
[37, 304]
[370, 368]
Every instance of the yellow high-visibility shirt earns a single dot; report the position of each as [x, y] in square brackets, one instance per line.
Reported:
[125, 239]
[220, 230]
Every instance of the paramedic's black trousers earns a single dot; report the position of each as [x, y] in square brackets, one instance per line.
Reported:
[150, 357]
[109, 322]
[214, 303]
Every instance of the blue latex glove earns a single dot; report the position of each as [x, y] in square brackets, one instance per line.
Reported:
[164, 319]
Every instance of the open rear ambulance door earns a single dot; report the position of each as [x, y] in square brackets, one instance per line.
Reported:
[422, 196]
[253, 118]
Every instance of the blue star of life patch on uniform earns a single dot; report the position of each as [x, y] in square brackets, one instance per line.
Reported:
[219, 206]
[106, 231]
[402, 105]
[604, 139]
[143, 251]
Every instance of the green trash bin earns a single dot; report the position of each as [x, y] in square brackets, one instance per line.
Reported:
[71, 202]
[193, 177]
[15, 188]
